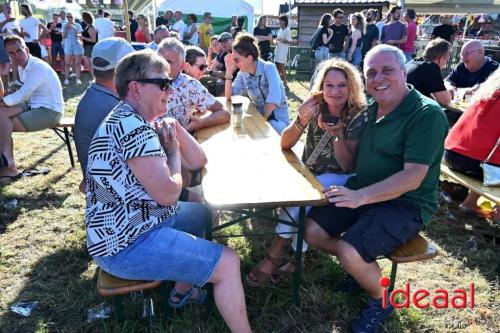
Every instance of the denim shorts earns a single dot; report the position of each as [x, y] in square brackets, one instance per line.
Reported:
[374, 230]
[173, 250]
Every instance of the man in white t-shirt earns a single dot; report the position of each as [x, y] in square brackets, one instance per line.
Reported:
[179, 24]
[105, 27]
[8, 26]
[37, 105]
[30, 30]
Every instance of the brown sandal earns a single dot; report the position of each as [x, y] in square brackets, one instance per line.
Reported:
[288, 268]
[257, 278]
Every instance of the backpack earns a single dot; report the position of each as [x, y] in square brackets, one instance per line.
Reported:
[315, 40]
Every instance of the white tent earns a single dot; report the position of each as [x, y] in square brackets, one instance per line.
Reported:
[225, 10]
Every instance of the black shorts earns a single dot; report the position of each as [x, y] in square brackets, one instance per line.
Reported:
[373, 230]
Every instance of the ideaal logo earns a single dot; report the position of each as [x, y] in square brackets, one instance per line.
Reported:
[422, 298]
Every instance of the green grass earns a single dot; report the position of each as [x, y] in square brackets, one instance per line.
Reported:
[43, 257]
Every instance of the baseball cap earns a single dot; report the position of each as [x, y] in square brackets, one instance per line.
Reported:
[112, 50]
[225, 36]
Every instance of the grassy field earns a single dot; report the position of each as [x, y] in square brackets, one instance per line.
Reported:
[43, 257]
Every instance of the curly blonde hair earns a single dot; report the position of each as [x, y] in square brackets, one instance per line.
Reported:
[356, 99]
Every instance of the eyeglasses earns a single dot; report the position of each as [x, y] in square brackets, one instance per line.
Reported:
[201, 67]
[163, 84]
[467, 53]
[340, 17]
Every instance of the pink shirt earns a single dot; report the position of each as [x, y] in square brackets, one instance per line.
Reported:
[409, 46]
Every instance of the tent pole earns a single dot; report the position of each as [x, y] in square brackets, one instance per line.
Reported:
[155, 14]
[465, 25]
[127, 20]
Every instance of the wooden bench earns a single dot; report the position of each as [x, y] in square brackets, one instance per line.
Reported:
[62, 129]
[117, 288]
[490, 193]
[417, 249]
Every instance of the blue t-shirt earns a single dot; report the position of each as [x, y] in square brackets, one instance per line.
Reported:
[95, 105]
[461, 77]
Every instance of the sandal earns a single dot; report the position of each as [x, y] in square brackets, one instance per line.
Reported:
[187, 297]
[257, 278]
[288, 268]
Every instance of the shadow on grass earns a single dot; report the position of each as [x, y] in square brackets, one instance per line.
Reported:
[42, 200]
[485, 258]
[55, 281]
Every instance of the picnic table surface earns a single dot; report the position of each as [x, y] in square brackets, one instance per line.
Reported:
[459, 107]
[248, 169]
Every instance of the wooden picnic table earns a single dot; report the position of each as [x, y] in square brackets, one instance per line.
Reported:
[459, 107]
[248, 172]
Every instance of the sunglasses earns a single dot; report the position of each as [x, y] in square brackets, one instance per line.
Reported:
[201, 67]
[164, 84]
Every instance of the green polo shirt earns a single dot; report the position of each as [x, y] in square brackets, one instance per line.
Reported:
[414, 132]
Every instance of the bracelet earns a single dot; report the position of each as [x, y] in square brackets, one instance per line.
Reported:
[298, 125]
[228, 78]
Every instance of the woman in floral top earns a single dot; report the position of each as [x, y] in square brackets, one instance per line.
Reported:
[332, 163]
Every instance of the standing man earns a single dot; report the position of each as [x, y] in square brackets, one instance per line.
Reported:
[370, 38]
[57, 49]
[104, 26]
[340, 40]
[8, 26]
[394, 33]
[411, 28]
[394, 192]
[165, 19]
[380, 24]
[206, 31]
[233, 28]
[179, 25]
[30, 30]
[189, 95]
[62, 17]
[37, 105]
[133, 25]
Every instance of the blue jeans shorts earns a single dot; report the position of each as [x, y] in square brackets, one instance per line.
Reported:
[374, 230]
[173, 250]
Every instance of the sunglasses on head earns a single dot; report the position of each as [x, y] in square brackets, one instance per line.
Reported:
[164, 84]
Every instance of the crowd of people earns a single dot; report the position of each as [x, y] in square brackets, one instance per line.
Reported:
[135, 128]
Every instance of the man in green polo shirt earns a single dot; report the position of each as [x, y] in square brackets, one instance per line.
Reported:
[394, 192]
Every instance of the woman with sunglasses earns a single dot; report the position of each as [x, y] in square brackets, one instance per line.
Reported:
[196, 62]
[257, 79]
[136, 227]
[73, 48]
[334, 110]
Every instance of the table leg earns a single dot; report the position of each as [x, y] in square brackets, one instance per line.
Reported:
[298, 256]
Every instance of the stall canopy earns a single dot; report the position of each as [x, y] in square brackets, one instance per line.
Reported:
[453, 6]
[221, 13]
[45, 9]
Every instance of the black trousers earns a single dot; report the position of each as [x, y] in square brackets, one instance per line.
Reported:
[35, 49]
[463, 164]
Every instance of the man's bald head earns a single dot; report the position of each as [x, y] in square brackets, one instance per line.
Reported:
[472, 55]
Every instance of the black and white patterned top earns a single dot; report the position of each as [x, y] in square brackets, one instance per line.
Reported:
[119, 209]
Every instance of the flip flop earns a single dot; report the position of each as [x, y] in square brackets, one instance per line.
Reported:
[35, 171]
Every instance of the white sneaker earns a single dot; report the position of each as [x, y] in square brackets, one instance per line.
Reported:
[72, 75]
[66, 82]
[78, 81]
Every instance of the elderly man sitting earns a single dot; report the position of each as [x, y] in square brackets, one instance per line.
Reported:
[189, 94]
[37, 105]
[473, 70]
[394, 192]
[161, 32]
